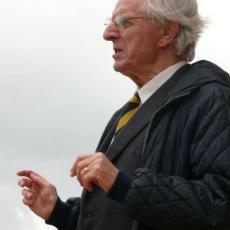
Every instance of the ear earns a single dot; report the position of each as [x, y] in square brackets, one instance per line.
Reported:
[170, 32]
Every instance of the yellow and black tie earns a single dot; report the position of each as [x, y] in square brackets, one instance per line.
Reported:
[132, 107]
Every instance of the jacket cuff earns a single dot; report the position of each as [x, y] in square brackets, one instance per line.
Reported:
[59, 214]
[120, 188]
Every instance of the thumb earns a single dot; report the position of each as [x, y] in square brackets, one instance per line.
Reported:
[39, 180]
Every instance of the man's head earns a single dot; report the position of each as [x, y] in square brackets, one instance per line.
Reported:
[150, 35]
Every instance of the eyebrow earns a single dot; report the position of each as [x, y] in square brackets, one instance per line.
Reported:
[127, 16]
[123, 12]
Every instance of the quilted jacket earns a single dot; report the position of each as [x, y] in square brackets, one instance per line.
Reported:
[185, 180]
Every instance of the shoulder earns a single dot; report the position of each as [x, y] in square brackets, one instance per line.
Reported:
[213, 92]
[208, 83]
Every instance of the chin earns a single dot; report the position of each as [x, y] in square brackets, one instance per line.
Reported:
[115, 67]
[120, 67]
[123, 69]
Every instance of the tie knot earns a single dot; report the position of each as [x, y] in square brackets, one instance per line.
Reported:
[135, 99]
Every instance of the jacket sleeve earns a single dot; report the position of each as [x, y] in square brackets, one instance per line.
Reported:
[65, 214]
[167, 202]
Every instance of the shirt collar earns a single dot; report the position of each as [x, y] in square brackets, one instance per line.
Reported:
[155, 83]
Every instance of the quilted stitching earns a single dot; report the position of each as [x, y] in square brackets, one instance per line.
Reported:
[156, 198]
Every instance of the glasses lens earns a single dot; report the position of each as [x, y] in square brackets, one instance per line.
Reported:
[120, 22]
[108, 21]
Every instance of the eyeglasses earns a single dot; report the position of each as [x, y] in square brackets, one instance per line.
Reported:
[121, 22]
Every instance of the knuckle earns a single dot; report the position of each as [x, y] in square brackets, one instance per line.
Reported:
[49, 186]
[85, 178]
[26, 202]
[78, 159]
[98, 177]
[82, 172]
[98, 169]
[100, 160]
[79, 165]
[20, 182]
[52, 187]
[101, 155]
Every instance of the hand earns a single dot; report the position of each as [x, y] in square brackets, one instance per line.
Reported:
[94, 168]
[38, 194]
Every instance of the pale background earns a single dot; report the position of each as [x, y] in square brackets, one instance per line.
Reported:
[58, 89]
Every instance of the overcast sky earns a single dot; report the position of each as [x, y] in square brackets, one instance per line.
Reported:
[58, 89]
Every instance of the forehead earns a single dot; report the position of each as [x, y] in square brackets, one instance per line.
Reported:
[127, 6]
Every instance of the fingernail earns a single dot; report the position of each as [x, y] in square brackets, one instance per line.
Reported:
[21, 183]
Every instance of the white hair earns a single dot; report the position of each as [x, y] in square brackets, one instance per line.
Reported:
[185, 12]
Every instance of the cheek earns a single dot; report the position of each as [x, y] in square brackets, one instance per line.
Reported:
[139, 43]
[141, 53]
[134, 49]
[140, 47]
[147, 49]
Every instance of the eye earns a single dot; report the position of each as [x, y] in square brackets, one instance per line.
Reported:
[125, 23]
[122, 22]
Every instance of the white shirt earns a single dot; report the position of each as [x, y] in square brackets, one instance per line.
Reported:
[154, 84]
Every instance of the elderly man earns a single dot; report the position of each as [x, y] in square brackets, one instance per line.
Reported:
[163, 161]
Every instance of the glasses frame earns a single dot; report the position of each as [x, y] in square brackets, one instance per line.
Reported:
[121, 21]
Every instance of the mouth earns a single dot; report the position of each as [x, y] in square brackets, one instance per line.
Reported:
[117, 50]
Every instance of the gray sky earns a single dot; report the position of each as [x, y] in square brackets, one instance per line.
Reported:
[58, 89]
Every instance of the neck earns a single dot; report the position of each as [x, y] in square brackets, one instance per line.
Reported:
[150, 72]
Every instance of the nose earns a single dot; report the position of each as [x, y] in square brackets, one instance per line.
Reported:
[111, 32]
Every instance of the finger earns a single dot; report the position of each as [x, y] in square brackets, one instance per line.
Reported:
[27, 194]
[86, 163]
[25, 173]
[73, 170]
[25, 182]
[88, 180]
[82, 174]
[39, 180]
[29, 203]
[35, 177]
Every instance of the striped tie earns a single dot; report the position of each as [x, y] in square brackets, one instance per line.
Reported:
[132, 107]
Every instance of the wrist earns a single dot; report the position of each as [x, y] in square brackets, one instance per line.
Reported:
[50, 207]
[120, 188]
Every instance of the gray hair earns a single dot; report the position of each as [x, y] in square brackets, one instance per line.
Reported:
[185, 12]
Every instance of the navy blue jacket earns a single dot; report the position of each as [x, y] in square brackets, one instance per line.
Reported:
[174, 161]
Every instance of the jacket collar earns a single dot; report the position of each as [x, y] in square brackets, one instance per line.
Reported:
[181, 84]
